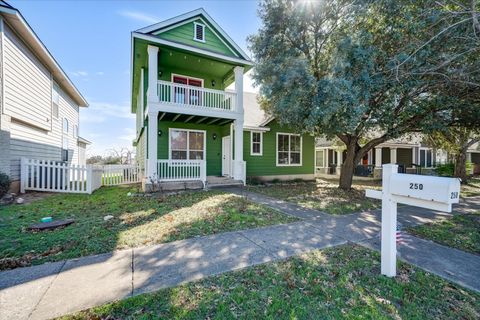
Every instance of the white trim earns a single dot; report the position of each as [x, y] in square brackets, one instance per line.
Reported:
[195, 24]
[2, 59]
[192, 49]
[301, 149]
[20, 26]
[192, 14]
[188, 77]
[206, 24]
[251, 143]
[188, 143]
[258, 129]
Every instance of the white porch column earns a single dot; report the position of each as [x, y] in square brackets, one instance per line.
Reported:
[238, 173]
[152, 143]
[393, 155]
[378, 157]
[238, 71]
[339, 158]
[238, 167]
[152, 73]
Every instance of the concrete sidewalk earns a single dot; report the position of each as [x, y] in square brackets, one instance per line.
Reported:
[451, 264]
[54, 289]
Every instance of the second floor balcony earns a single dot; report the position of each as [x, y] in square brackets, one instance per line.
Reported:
[196, 97]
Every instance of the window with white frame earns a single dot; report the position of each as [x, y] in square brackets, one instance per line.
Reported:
[187, 144]
[75, 131]
[320, 158]
[65, 140]
[289, 149]
[55, 102]
[198, 32]
[256, 141]
[426, 157]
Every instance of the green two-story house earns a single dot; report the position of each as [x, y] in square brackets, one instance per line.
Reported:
[190, 125]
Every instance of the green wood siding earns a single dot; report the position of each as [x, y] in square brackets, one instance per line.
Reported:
[213, 147]
[184, 34]
[265, 165]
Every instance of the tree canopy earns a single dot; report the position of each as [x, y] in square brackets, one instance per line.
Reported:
[367, 71]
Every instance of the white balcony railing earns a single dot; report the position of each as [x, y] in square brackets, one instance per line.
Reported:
[191, 96]
[181, 170]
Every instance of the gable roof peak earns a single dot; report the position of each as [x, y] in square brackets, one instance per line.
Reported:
[191, 14]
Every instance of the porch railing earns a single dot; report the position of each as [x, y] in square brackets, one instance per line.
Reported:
[181, 170]
[185, 95]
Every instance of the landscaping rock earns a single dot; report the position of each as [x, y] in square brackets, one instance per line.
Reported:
[20, 201]
[106, 218]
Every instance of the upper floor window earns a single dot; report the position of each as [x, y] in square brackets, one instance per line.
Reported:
[256, 143]
[75, 131]
[55, 102]
[198, 32]
[65, 126]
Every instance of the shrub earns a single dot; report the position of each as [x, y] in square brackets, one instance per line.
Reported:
[446, 169]
[4, 184]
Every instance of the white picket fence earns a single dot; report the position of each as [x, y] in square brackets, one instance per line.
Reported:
[55, 176]
[121, 174]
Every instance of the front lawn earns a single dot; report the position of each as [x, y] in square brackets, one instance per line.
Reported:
[323, 195]
[460, 231]
[335, 283]
[136, 221]
[472, 188]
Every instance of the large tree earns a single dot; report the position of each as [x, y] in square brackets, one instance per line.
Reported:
[365, 71]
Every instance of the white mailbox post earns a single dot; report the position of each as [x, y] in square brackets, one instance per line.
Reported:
[435, 193]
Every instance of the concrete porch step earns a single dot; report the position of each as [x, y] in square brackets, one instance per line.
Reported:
[218, 182]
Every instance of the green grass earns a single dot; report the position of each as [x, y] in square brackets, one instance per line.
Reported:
[323, 195]
[460, 231]
[472, 188]
[336, 283]
[137, 221]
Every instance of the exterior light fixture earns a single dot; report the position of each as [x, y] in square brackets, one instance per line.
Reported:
[213, 83]
[160, 73]
[214, 136]
[160, 132]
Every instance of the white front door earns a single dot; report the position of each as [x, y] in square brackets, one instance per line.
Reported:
[226, 156]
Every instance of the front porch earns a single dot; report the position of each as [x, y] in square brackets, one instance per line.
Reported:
[411, 158]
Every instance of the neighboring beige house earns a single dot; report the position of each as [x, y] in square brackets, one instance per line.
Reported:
[39, 105]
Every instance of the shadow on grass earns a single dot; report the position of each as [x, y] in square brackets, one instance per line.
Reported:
[136, 221]
[342, 282]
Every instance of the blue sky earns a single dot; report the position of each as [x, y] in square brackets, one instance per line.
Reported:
[91, 41]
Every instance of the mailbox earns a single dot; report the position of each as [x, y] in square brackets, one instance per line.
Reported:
[435, 193]
[437, 189]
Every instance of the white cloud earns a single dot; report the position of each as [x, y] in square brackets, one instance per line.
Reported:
[107, 109]
[100, 73]
[80, 73]
[139, 16]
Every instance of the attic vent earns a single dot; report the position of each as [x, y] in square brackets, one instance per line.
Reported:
[199, 32]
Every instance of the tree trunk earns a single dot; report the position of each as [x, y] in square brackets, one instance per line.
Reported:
[461, 165]
[348, 167]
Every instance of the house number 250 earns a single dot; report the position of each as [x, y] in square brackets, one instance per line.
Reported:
[416, 186]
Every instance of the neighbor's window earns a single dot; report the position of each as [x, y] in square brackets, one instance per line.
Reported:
[256, 143]
[289, 149]
[426, 158]
[320, 158]
[55, 102]
[187, 144]
[198, 32]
